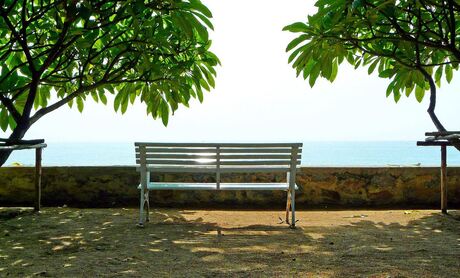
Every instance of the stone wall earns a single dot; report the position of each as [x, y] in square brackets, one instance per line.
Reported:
[318, 188]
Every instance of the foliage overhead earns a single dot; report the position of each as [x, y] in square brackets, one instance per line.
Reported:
[414, 43]
[57, 52]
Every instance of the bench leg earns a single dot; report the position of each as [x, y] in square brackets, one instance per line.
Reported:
[141, 208]
[293, 208]
[288, 205]
[147, 200]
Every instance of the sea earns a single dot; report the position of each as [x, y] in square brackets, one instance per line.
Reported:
[314, 154]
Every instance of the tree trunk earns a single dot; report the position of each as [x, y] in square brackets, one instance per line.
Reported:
[18, 134]
[432, 106]
[24, 122]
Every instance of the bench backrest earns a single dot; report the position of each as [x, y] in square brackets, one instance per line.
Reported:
[218, 158]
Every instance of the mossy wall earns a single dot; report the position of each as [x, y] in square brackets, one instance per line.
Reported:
[318, 188]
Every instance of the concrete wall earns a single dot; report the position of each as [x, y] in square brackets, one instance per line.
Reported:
[319, 188]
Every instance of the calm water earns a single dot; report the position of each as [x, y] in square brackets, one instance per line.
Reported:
[314, 154]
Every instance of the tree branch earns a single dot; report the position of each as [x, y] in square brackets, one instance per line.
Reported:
[10, 107]
[21, 41]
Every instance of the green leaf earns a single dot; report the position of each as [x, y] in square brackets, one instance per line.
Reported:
[205, 20]
[80, 104]
[335, 69]
[197, 5]
[371, 68]
[296, 27]
[314, 74]
[118, 99]
[409, 90]
[419, 93]
[449, 73]
[326, 67]
[103, 98]
[386, 73]
[95, 96]
[164, 113]
[396, 96]
[390, 88]
[132, 97]
[296, 42]
[124, 105]
[11, 123]
[356, 4]
[3, 118]
[438, 75]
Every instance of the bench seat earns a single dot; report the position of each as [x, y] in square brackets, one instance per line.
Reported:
[212, 186]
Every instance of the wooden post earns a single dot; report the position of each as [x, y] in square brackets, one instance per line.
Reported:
[443, 179]
[38, 178]
[292, 176]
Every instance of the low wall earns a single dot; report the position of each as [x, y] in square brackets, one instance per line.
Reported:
[318, 187]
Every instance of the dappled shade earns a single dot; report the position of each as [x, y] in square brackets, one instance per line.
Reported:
[63, 241]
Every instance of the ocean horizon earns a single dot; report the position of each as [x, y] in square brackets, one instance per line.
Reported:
[321, 154]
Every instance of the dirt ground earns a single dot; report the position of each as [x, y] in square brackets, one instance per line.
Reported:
[67, 242]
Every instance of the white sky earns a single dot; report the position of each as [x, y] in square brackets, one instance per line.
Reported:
[258, 97]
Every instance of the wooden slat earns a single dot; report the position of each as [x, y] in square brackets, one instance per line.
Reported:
[213, 150]
[206, 169]
[257, 156]
[223, 157]
[257, 145]
[434, 143]
[179, 156]
[441, 133]
[178, 150]
[253, 169]
[212, 186]
[214, 162]
[183, 169]
[178, 162]
[22, 147]
[256, 162]
[253, 150]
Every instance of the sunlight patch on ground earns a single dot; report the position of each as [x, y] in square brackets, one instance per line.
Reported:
[230, 243]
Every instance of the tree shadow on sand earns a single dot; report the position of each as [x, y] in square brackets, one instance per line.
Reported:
[70, 242]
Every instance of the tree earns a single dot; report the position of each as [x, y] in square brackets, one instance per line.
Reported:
[411, 42]
[58, 52]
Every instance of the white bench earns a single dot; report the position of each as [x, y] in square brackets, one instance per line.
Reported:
[217, 159]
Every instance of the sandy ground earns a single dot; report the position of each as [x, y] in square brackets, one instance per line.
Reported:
[65, 242]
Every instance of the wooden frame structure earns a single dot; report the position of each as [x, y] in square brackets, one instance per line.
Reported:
[217, 159]
[443, 140]
[38, 145]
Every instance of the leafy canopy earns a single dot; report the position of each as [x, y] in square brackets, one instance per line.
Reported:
[57, 52]
[410, 42]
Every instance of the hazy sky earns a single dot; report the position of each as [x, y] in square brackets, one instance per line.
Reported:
[258, 97]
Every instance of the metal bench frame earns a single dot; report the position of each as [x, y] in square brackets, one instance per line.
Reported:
[217, 159]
